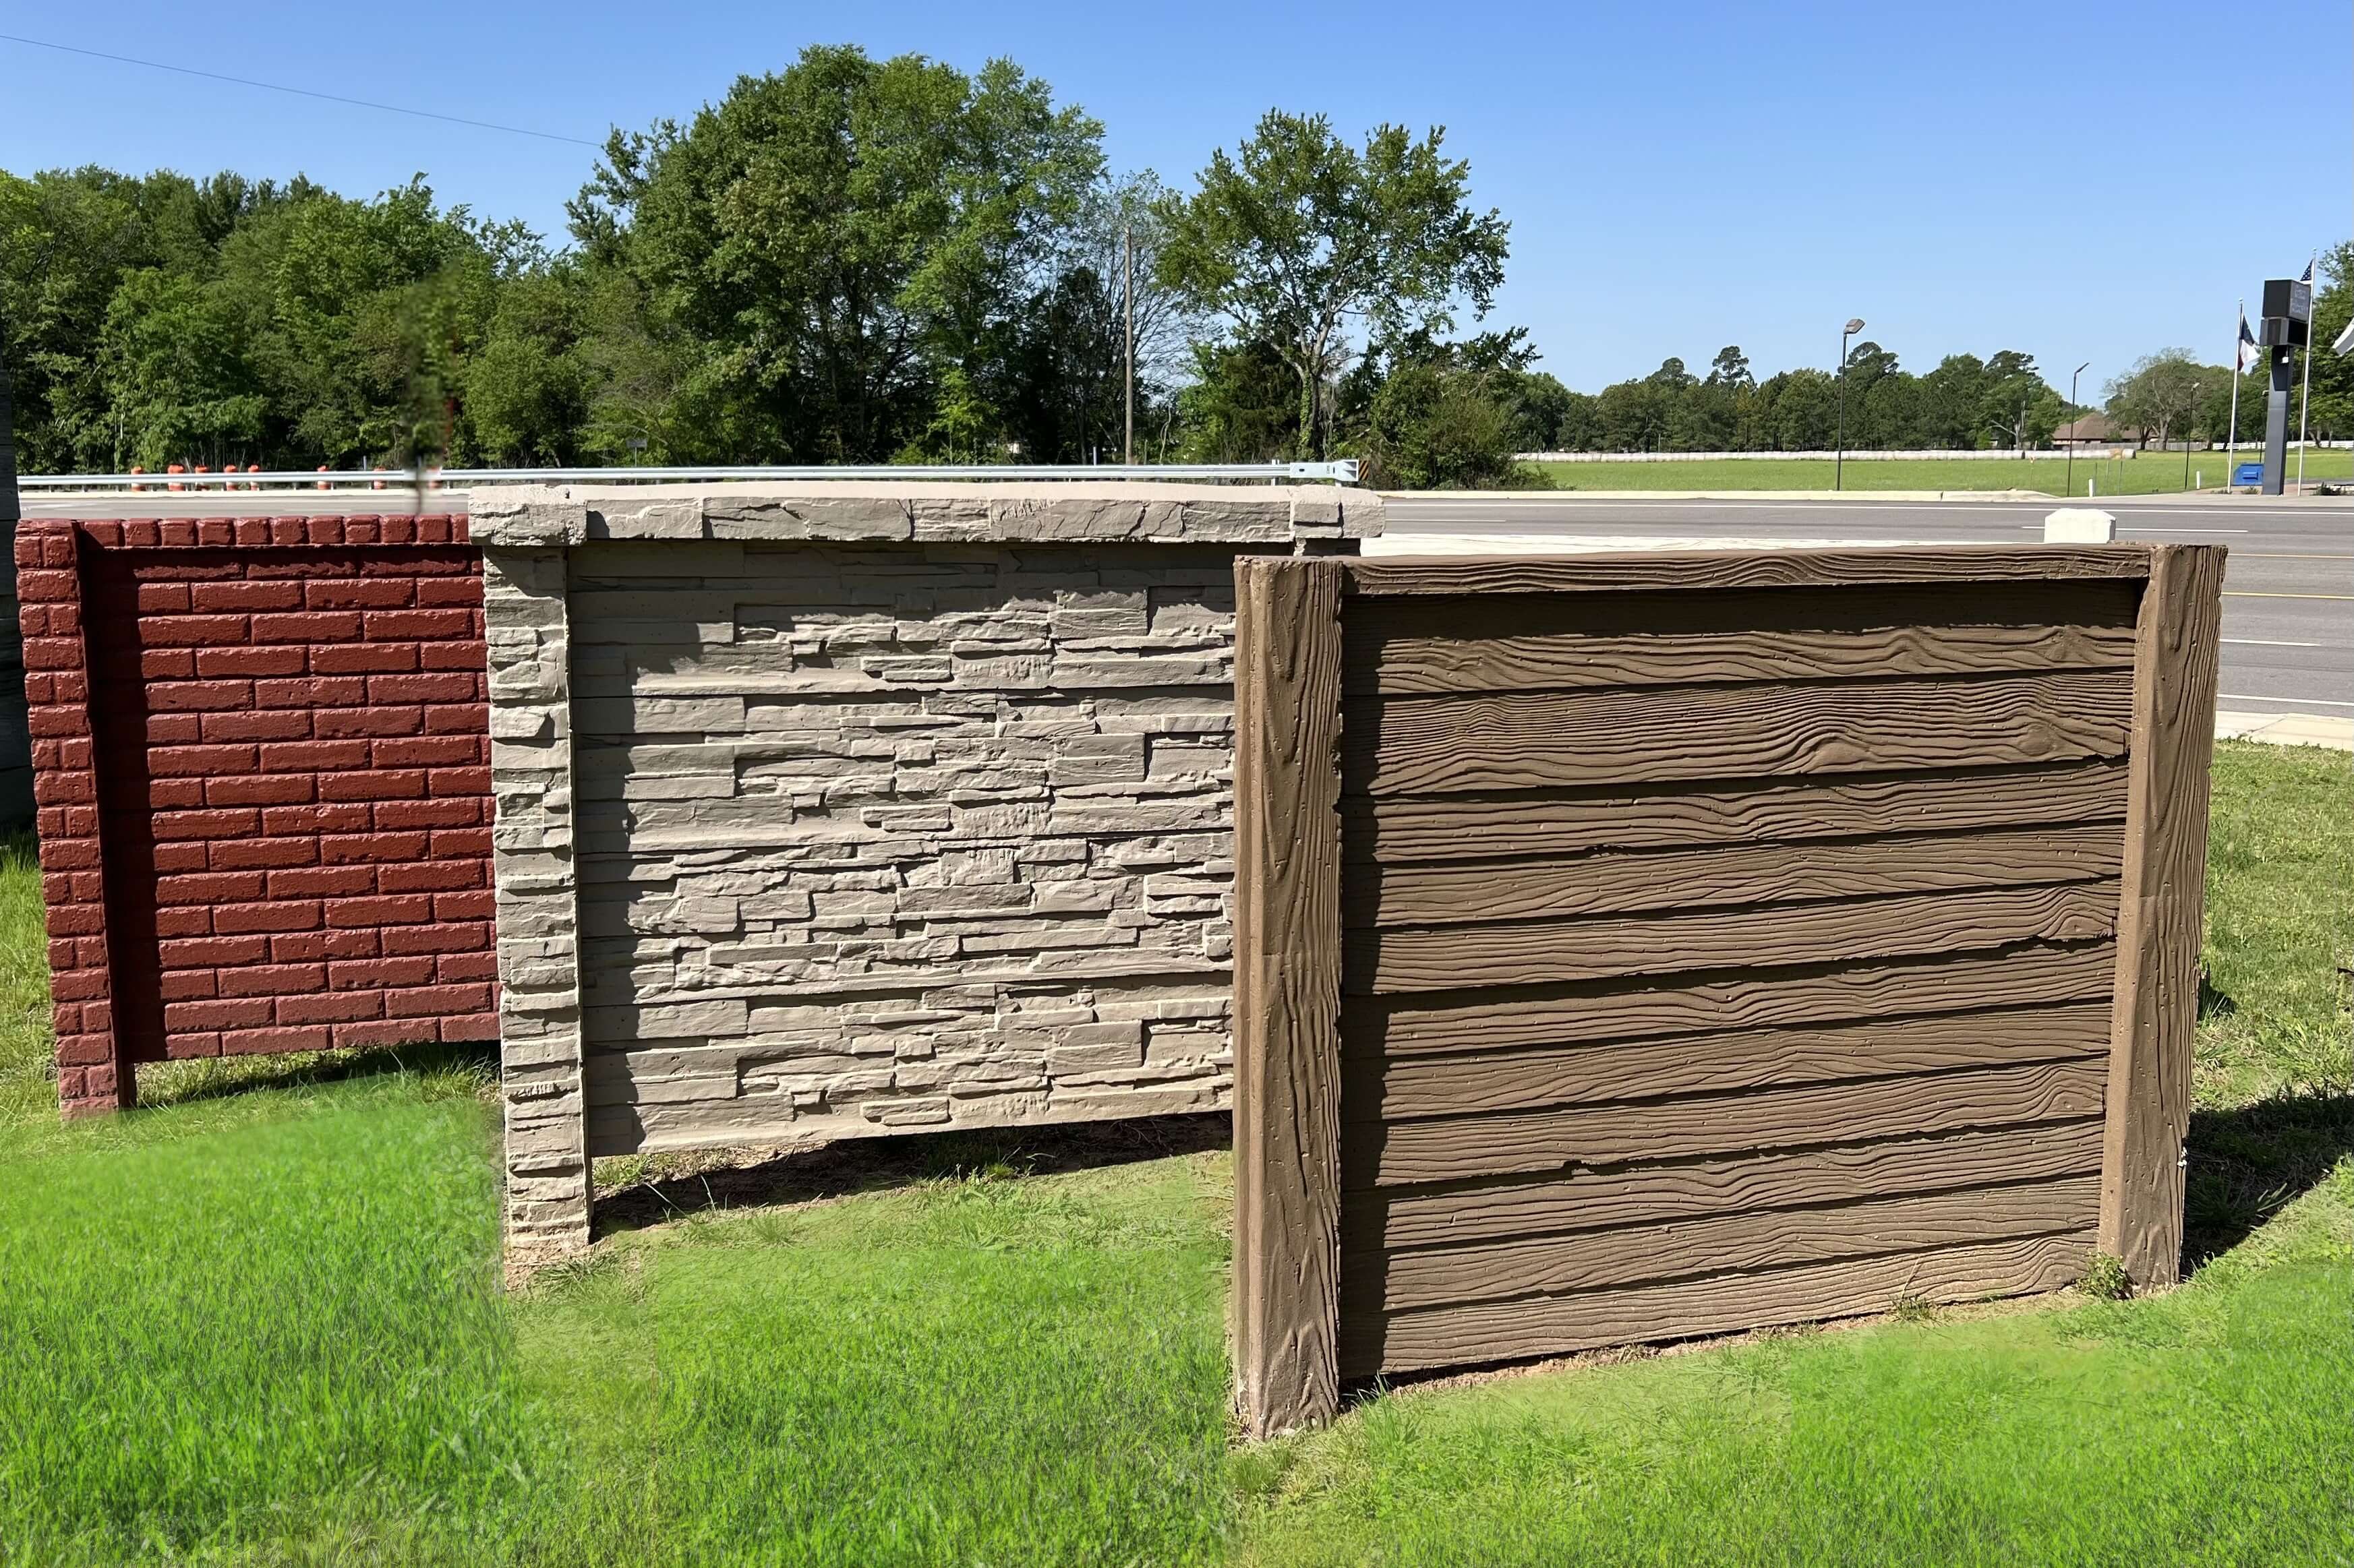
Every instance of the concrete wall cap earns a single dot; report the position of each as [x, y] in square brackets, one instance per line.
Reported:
[527, 517]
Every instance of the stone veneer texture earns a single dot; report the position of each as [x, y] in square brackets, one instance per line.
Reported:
[830, 814]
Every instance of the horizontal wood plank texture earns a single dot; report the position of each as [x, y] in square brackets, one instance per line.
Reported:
[1398, 828]
[1421, 646]
[1454, 1147]
[1527, 887]
[1404, 1218]
[1727, 938]
[1654, 569]
[1653, 734]
[1382, 1088]
[1717, 1244]
[1407, 1025]
[1534, 951]
[1374, 1341]
[1286, 992]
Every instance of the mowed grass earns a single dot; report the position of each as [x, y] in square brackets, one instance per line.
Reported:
[2208, 1427]
[261, 1324]
[977, 1368]
[2150, 474]
[267, 1317]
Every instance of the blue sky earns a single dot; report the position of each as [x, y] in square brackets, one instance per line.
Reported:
[2084, 185]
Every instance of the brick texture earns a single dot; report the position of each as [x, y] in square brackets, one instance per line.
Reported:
[262, 764]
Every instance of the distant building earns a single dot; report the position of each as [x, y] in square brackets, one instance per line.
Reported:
[2088, 431]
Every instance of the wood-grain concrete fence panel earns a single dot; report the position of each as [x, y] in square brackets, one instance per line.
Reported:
[1636, 948]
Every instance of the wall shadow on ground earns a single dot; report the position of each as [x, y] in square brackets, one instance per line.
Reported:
[2247, 1164]
[868, 1164]
[192, 1079]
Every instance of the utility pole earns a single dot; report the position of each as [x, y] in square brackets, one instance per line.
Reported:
[1127, 337]
[2186, 434]
[2076, 428]
[1838, 453]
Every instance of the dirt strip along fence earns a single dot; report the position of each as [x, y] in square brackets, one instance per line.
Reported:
[1639, 947]
[260, 751]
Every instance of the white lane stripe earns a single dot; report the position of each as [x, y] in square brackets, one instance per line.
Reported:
[2301, 702]
[2266, 642]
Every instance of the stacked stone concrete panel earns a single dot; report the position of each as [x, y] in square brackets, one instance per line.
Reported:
[891, 810]
[902, 836]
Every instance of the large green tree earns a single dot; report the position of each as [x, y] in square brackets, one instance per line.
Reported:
[815, 252]
[2160, 393]
[173, 364]
[159, 319]
[1307, 245]
[2333, 373]
[68, 239]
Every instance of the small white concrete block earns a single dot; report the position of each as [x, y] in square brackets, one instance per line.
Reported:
[2079, 525]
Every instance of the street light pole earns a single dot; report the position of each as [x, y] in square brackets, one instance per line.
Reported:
[1838, 453]
[1127, 344]
[2068, 485]
[2186, 436]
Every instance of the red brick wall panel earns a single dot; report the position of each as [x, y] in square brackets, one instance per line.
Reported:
[263, 790]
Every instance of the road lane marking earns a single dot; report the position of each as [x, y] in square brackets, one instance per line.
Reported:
[2250, 593]
[2266, 642]
[2316, 701]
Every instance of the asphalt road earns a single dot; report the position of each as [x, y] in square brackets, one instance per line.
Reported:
[2288, 593]
[2288, 586]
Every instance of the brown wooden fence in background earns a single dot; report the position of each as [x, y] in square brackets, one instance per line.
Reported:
[1632, 948]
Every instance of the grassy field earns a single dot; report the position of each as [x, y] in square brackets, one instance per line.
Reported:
[259, 1323]
[2152, 473]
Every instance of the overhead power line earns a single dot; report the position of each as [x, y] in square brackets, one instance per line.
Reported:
[299, 91]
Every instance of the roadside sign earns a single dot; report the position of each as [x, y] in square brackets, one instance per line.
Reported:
[2248, 473]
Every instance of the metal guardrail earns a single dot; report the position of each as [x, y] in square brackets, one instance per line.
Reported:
[1343, 472]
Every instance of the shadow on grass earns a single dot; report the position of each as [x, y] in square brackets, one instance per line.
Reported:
[867, 1164]
[2246, 1164]
[214, 1078]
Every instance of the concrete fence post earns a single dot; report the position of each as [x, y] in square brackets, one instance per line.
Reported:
[531, 848]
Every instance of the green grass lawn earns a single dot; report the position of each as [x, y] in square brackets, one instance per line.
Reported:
[259, 1322]
[2151, 474]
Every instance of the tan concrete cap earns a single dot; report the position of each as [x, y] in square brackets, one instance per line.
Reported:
[524, 516]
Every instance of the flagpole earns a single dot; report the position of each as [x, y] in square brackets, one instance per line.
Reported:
[2305, 401]
[2231, 431]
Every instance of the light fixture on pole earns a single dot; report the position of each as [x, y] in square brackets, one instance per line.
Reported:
[1838, 455]
[2076, 429]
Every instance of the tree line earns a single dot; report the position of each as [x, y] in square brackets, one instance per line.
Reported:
[864, 261]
